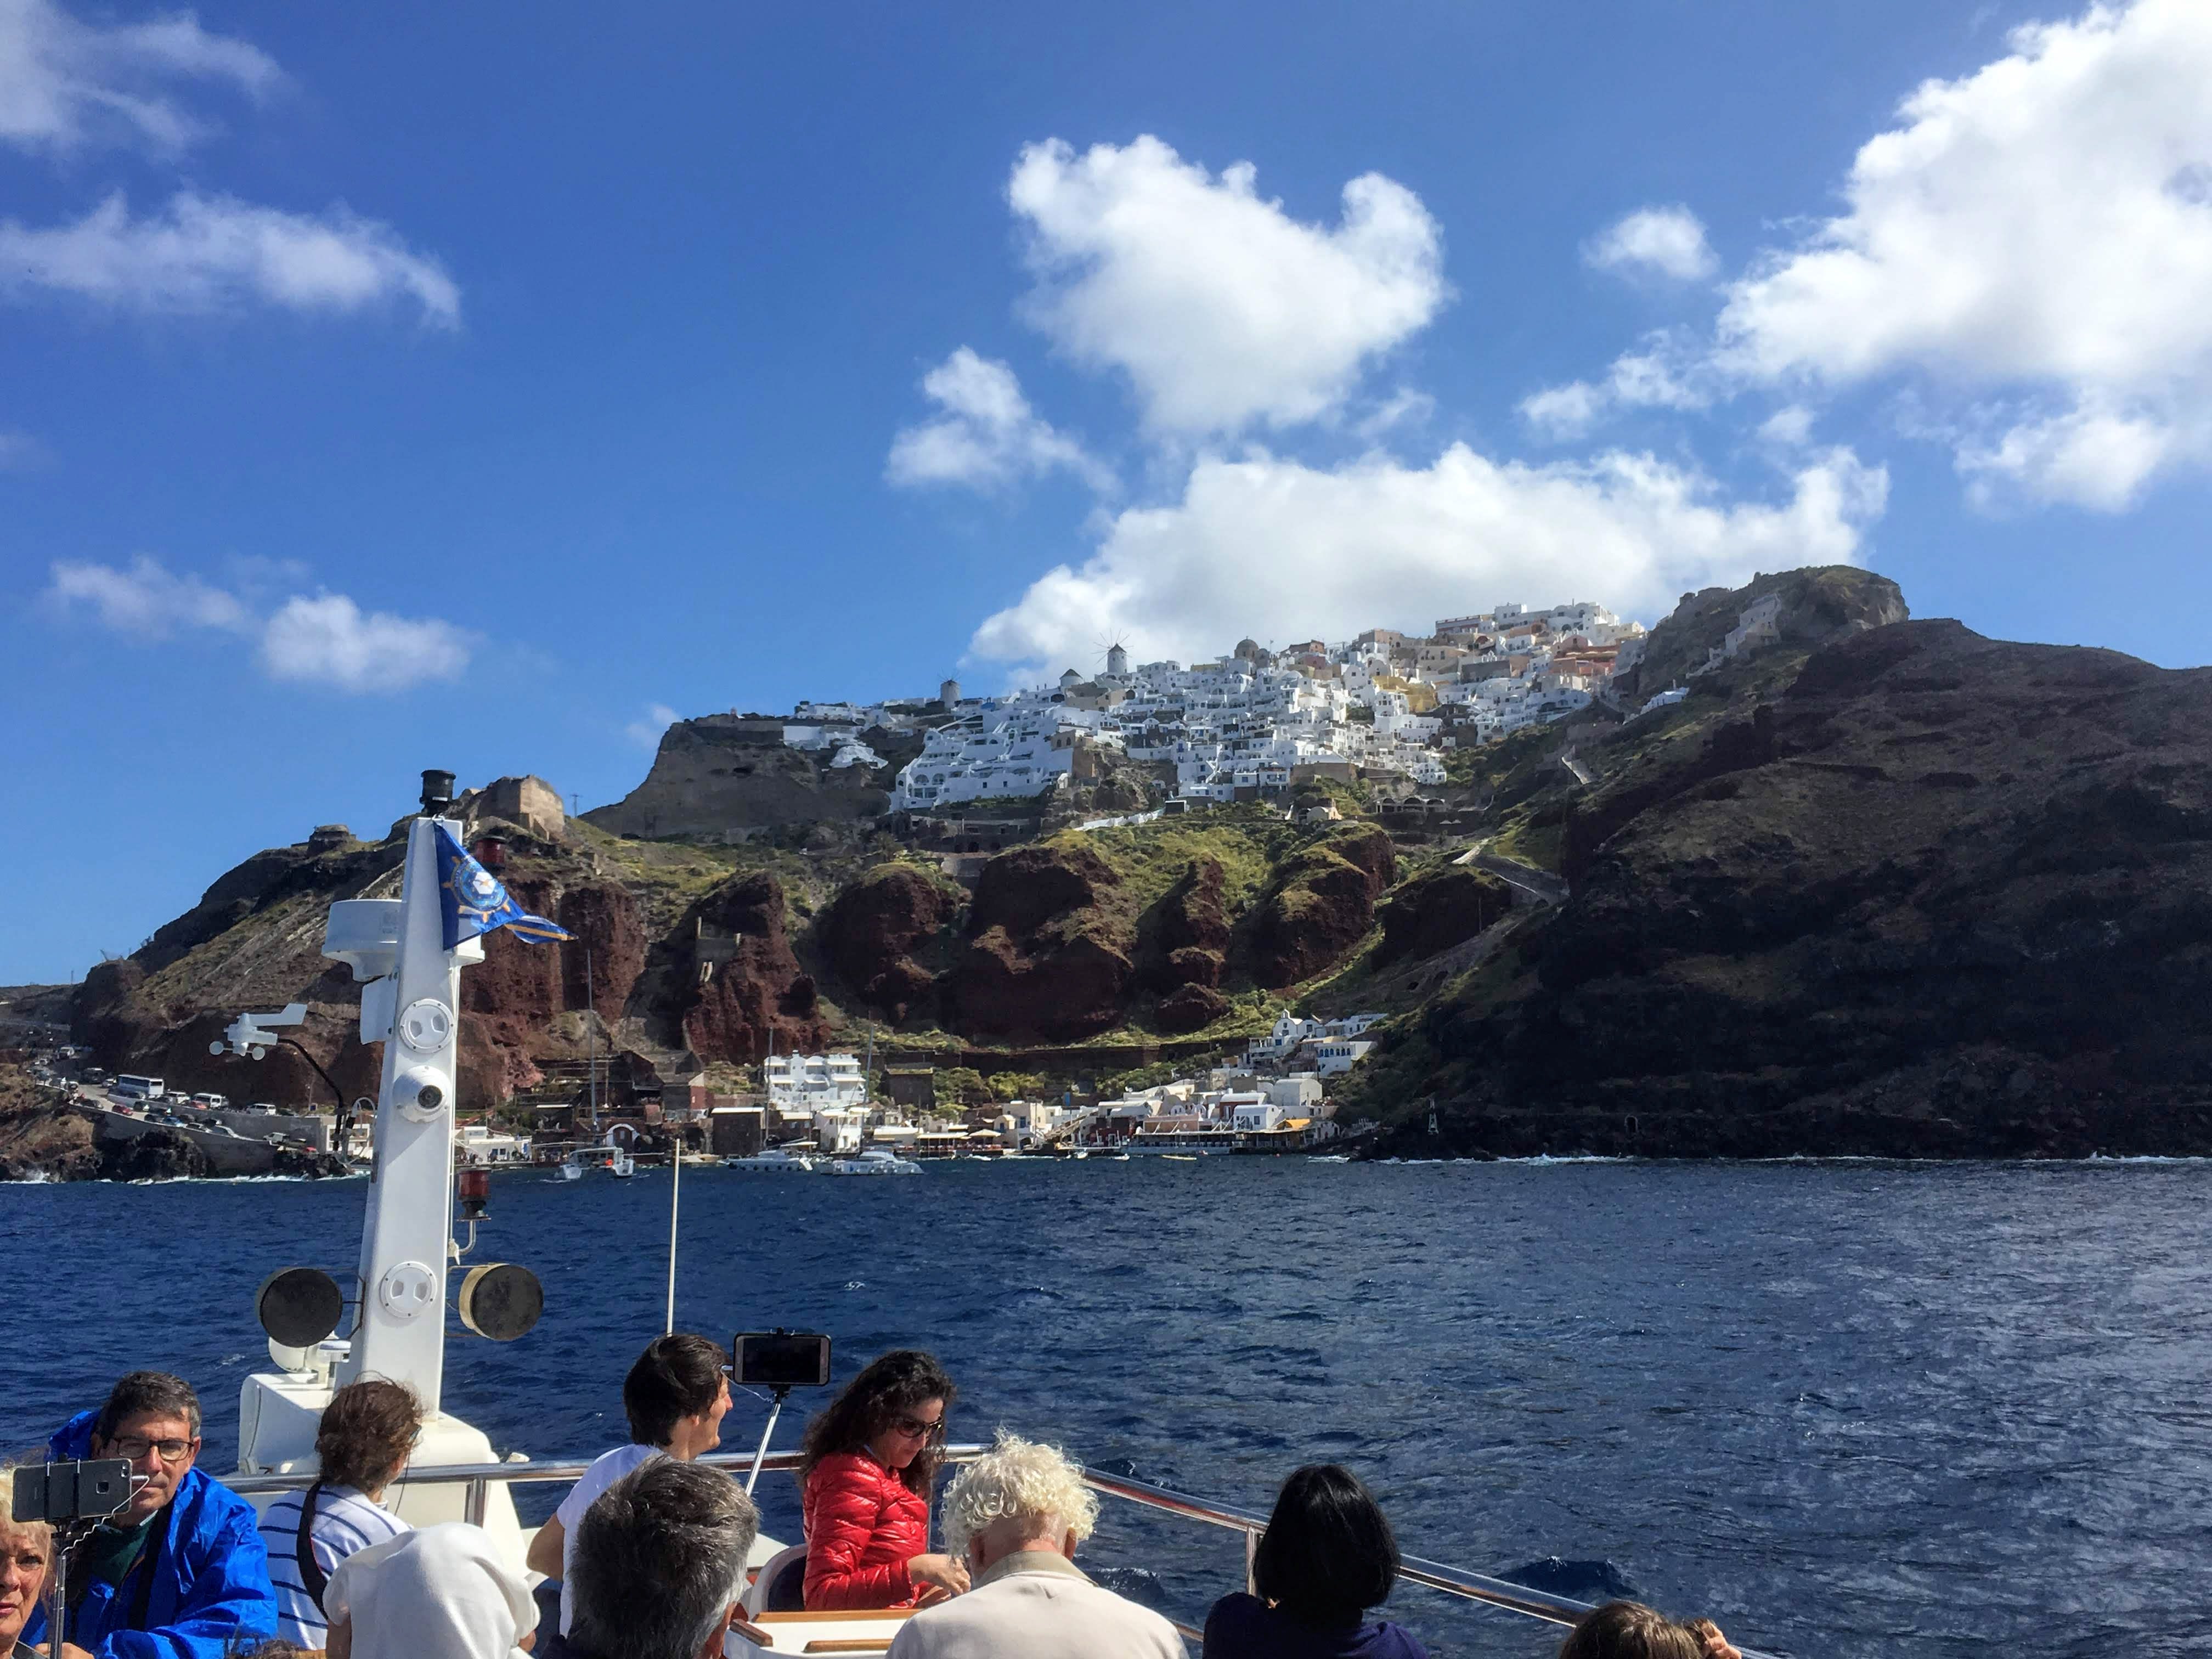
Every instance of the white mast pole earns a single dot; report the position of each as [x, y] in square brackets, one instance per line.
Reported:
[675, 1193]
[405, 1234]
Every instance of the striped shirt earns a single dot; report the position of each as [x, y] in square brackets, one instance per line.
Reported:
[345, 1521]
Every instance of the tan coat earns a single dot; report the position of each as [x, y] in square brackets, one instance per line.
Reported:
[1038, 1605]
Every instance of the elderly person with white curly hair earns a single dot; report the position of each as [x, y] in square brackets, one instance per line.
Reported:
[1016, 1515]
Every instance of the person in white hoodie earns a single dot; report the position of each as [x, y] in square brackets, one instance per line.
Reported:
[438, 1592]
[1016, 1515]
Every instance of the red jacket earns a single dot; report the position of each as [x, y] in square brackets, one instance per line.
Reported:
[863, 1526]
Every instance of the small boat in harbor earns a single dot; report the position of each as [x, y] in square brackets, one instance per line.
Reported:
[775, 1160]
[621, 1166]
[874, 1162]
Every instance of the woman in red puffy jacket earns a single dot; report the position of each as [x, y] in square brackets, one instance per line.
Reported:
[865, 1466]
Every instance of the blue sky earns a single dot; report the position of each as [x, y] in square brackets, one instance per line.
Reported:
[474, 387]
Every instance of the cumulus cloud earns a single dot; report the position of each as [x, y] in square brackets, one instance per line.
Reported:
[146, 599]
[66, 85]
[2040, 232]
[1269, 547]
[985, 435]
[1221, 308]
[646, 733]
[330, 640]
[210, 253]
[1669, 241]
[326, 640]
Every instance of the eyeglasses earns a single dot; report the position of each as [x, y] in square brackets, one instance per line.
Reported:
[915, 1429]
[169, 1451]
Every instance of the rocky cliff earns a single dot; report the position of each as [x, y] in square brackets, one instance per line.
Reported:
[1913, 891]
[725, 775]
[1878, 885]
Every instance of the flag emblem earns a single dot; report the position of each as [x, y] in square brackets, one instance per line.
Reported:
[473, 901]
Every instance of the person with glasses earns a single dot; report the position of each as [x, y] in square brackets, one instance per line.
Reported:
[27, 1554]
[866, 1467]
[178, 1572]
[675, 1396]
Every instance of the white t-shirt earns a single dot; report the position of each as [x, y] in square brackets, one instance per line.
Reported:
[345, 1521]
[610, 1468]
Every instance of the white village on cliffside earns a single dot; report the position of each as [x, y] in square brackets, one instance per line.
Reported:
[1254, 722]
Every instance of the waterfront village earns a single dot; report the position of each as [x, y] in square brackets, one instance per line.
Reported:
[1383, 710]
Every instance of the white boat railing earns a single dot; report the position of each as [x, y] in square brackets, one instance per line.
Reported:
[1413, 1569]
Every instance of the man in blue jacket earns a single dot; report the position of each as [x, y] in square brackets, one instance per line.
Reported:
[180, 1571]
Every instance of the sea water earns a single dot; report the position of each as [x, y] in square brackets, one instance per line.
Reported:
[1856, 1408]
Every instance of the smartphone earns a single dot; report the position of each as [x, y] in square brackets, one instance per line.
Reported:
[781, 1360]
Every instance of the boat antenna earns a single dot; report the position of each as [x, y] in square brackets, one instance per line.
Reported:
[675, 1198]
[592, 1035]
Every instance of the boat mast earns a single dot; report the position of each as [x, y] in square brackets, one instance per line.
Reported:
[591, 1035]
[406, 1232]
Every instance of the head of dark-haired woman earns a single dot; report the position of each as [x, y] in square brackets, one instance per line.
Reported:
[1328, 1553]
[894, 1411]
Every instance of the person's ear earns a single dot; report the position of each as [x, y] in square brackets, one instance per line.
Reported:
[1067, 1544]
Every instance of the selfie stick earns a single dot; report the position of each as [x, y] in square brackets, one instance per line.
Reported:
[783, 1394]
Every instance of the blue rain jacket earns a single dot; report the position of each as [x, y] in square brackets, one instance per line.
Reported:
[210, 1575]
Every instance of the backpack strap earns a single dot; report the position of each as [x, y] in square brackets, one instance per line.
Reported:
[312, 1575]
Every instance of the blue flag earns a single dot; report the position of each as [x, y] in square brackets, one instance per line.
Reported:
[474, 900]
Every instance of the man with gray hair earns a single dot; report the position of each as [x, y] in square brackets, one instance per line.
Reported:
[1016, 1515]
[659, 1565]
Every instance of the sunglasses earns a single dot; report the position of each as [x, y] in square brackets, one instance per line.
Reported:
[915, 1429]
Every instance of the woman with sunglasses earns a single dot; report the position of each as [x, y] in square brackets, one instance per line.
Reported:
[865, 1466]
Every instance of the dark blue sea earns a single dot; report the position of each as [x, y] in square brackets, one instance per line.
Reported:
[1844, 1409]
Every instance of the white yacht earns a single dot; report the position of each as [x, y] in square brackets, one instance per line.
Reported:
[413, 1243]
[874, 1162]
[774, 1161]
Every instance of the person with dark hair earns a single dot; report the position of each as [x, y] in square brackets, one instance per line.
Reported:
[1629, 1630]
[1329, 1555]
[865, 1466]
[675, 1396]
[659, 1566]
[179, 1570]
[361, 1444]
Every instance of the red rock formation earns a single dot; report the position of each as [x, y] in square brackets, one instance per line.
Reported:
[744, 982]
[1192, 1008]
[1185, 933]
[873, 930]
[1322, 905]
[1043, 956]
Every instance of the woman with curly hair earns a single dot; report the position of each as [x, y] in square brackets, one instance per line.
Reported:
[865, 1466]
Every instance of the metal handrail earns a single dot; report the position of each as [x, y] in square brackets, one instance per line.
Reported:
[1413, 1570]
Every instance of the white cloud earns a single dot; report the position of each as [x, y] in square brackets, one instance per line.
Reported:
[208, 253]
[20, 452]
[64, 84]
[1669, 241]
[1221, 308]
[1788, 428]
[987, 435]
[2040, 232]
[1273, 549]
[1669, 372]
[328, 640]
[325, 641]
[646, 733]
[147, 599]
